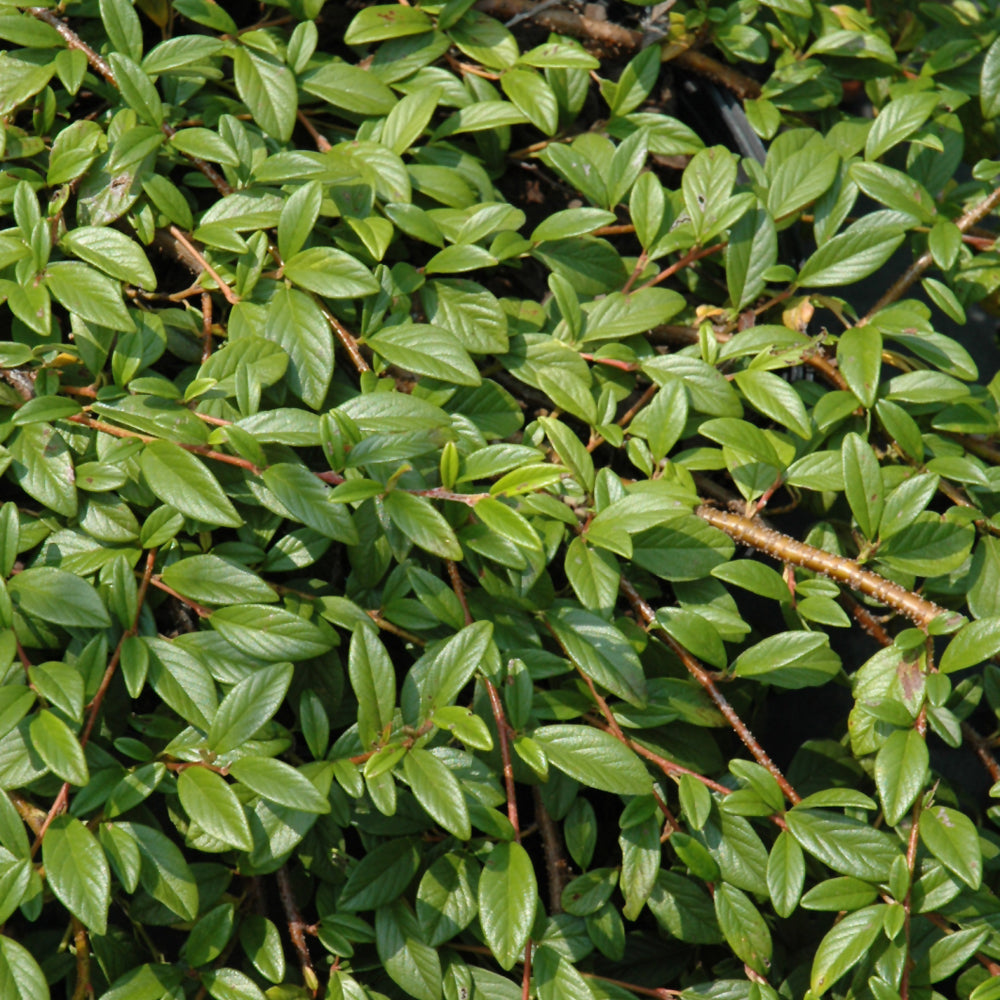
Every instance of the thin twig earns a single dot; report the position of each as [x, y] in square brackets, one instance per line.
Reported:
[924, 261]
[346, 339]
[557, 868]
[227, 292]
[81, 946]
[648, 618]
[296, 930]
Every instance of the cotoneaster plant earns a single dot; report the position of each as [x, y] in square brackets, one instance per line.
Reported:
[475, 528]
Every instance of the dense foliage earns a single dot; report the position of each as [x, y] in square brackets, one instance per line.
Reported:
[470, 527]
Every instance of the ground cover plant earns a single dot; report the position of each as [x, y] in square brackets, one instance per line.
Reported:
[491, 512]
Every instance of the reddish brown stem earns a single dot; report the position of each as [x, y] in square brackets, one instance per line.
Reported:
[689, 258]
[503, 731]
[227, 292]
[199, 609]
[646, 614]
[347, 340]
[321, 144]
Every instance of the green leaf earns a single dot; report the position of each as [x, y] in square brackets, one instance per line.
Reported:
[447, 897]
[350, 88]
[122, 25]
[775, 398]
[508, 895]
[59, 747]
[684, 909]
[378, 23]
[974, 643]
[374, 682]
[844, 946]
[137, 89]
[20, 976]
[88, 294]
[111, 252]
[859, 357]
[898, 120]
[952, 838]
[209, 800]
[928, 546]
[752, 249]
[571, 222]
[410, 962]
[263, 946]
[786, 870]
[846, 845]
[789, 660]
[211, 580]
[901, 772]
[422, 524]
[593, 575]
[267, 87]
[468, 311]
[594, 758]
[331, 273]
[437, 790]
[248, 705]
[42, 465]
[181, 480]
[382, 875]
[310, 501]
[20, 80]
[744, 927]
[842, 893]
[427, 350]
[76, 871]
[530, 92]
[271, 633]
[297, 324]
[989, 82]
[57, 596]
[863, 483]
[853, 254]
[600, 651]
[556, 978]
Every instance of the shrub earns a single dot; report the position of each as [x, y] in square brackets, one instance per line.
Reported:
[468, 533]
